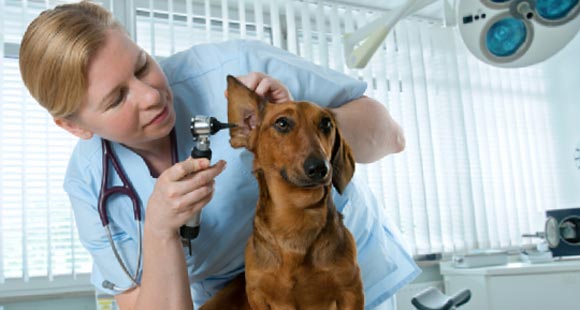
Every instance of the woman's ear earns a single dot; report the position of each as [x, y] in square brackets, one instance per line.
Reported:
[73, 127]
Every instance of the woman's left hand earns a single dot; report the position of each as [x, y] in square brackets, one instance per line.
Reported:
[265, 86]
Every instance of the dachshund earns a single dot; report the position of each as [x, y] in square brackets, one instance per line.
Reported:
[299, 255]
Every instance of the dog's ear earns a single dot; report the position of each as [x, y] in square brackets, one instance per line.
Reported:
[244, 110]
[342, 162]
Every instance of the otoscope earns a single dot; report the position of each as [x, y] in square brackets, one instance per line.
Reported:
[201, 128]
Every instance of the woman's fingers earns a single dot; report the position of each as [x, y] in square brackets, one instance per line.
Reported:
[266, 86]
[251, 80]
[198, 198]
[185, 168]
[192, 189]
[197, 179]
[181, 191]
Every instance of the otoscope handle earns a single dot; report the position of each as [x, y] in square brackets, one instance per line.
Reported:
[201, 128]
[190, 230]
[197, 153]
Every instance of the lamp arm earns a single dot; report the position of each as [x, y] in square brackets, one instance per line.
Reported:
[375, 33]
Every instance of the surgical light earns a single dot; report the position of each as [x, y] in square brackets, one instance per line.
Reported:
[505, 37]
[554, 9]
[517, 33]
[504, 33]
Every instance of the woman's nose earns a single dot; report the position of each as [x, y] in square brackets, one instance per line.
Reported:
[147, 94]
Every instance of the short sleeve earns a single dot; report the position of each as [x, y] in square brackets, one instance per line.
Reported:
[94, 239]
[385, 264]
[304, 79]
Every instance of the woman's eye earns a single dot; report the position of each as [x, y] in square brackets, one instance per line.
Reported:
[143, 69]
[283, 124]
[119, 99]
[325, 125]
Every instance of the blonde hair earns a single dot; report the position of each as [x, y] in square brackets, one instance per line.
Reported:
[55, 52]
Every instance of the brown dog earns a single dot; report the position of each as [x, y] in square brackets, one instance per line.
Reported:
[300, 255]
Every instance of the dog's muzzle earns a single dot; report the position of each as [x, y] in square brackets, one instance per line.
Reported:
[316, 169]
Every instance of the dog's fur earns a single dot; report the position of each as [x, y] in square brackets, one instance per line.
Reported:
[300, 255]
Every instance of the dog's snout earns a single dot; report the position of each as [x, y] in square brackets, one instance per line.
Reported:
[315, 168]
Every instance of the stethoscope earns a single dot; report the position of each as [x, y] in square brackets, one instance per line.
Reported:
[125, 189]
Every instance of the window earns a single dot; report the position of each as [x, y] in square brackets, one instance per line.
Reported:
[473, 174]
[37, 233]
[166, 28]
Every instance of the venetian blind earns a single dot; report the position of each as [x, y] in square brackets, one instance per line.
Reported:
[38, 237]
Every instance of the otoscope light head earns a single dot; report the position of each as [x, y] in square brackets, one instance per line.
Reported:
[216, 125]
[207, 125]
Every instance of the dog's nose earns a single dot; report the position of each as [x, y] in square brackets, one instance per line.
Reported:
[315, 168]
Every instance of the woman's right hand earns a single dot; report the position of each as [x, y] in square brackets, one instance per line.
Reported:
[181, 191]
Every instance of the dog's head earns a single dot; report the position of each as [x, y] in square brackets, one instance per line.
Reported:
[297, 140]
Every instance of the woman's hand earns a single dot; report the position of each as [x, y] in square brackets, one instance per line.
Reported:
[180, 192]
[265, 86]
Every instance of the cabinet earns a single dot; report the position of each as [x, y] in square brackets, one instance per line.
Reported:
[549, 286]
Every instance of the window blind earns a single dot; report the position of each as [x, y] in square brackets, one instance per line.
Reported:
[37, 233]
[478, 170]
[166, 27]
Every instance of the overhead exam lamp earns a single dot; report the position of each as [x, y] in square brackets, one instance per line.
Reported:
[503, 33]
[517, 33]
[357, 52]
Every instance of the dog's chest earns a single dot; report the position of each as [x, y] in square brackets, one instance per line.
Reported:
[301, 288]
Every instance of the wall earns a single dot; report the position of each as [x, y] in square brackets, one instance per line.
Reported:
[563, 90]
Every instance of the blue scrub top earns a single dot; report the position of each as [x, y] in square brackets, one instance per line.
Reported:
[198, 80]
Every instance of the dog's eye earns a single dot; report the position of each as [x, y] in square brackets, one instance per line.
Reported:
[325, 125]
[283, 124]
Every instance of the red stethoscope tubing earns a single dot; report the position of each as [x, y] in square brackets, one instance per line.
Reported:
[125, 189]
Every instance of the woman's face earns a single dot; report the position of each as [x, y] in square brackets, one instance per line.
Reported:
[128, 98]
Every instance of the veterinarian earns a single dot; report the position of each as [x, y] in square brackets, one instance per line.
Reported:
[97, 84]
